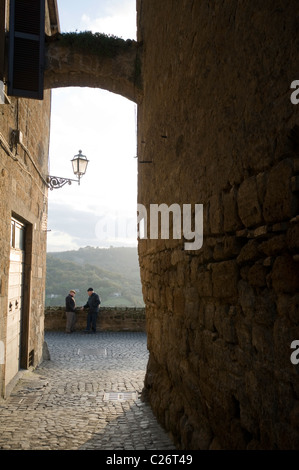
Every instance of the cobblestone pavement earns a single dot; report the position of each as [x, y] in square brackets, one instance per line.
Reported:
[87, 396]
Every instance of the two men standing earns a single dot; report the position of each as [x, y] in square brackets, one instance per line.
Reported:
[93, 305]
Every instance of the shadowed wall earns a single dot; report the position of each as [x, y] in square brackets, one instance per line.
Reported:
[217, 124]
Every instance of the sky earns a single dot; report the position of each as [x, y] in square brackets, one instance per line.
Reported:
[101, 211]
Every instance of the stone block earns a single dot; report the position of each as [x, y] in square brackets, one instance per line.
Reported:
[280, 227]
[201, 316]
[265, 309]
[293, 237]
[192, 308]
[283, 335]
[244, 411]
[204, 283]
[169, 298]
[260, 232]
[177, 256]
[268, 261]
[246, 298]
[244, 339]
[283, 305]
[201, 438]
[229, 248]
[215, 214]
[209, 317]
[257, 275]
[181, 276]
[249, 252]
[262, 341]
[207, 253]
[225, 278]
[232, 246]
[280, 202]
[295, 183]
[249, 209]
[261, 182]
[178, 302]
[275, 245]
[285, 275]
[231, 221]
[293, 310]
[294, 415]
[229, 330]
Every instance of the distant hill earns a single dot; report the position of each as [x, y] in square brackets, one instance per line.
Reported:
[113, 273]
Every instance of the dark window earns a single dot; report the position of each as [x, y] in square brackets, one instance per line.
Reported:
[2, 38]
[26, 48]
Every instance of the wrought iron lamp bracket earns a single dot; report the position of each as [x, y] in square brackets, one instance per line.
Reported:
[55, 182]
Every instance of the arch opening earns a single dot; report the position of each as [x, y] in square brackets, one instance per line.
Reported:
[100, 214]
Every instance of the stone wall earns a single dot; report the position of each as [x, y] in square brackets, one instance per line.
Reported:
[23, 195]
[216, 126]
[109, 319]
[84, 59]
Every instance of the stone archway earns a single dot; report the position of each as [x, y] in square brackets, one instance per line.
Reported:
[215, 126]
[95, 61]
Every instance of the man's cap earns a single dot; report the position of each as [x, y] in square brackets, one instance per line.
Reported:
[72, 290]
[89, 289]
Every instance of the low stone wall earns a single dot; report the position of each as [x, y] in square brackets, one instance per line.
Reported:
[109, 319]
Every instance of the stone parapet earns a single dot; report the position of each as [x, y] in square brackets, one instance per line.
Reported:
[109, 319]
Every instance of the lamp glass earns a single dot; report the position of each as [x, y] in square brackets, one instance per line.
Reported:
[79, 163]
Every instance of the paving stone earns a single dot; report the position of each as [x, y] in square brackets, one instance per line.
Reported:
[84, 401]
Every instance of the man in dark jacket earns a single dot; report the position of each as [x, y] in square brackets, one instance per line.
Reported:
[70, 309]
[93, 304]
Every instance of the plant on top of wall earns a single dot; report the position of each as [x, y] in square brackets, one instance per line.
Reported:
[100, 44]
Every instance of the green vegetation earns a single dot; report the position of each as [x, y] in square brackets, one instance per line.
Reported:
[113, 273]
[98, 43]
[101, 45]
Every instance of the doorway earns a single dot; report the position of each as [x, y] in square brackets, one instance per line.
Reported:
[15, 300]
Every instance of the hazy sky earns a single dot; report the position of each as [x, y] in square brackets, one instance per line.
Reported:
[102, 210]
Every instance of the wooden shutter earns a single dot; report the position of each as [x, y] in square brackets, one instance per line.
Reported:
[2, 37]
[26, 48]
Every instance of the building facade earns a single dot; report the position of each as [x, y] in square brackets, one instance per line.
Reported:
[24, 147]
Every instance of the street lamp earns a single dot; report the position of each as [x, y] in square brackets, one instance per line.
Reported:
[79, 163]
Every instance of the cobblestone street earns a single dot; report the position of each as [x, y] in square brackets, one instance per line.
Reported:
[87, 396]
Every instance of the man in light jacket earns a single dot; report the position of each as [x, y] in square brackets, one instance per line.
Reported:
[70, 309]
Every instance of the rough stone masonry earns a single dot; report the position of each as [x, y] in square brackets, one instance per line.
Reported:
[216, 126]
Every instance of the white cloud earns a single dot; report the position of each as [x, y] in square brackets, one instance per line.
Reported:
[72, 227]
[103, 126]
[60, 241]
[118, 22]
